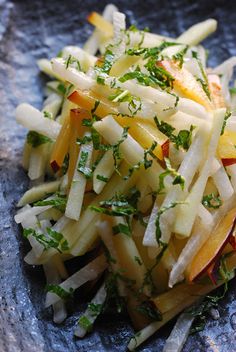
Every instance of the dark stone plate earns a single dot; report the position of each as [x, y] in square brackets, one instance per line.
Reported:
[33, 29]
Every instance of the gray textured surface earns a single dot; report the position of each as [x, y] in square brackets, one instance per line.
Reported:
[30, 30]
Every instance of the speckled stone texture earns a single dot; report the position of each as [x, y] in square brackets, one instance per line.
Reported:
[30, 30]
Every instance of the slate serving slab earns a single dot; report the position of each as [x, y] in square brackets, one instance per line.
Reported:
[30, 30]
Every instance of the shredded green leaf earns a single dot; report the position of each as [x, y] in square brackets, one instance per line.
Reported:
[122, 228]
[60, 291]
[211, 201]
[36, 139]
[204, 80]
[178, 179]
[53, 239]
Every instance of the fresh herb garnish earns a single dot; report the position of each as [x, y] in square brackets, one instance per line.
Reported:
[82, 168]
[116, 148]
[60, 291]
[179, 57]
[48, 115]
[53, 239]
[134, 103]
[95, 309]
[232, 90]
[102, 178]
[59, 202]
[178, 179]
[36, 139]
[85, 323]
[226, 117]
[118, 205]
[149, 310]
[71, 60]
[204, 80]
[146, 162]
[211, 201]
[183, 139]
[138, 260]
[122, 228]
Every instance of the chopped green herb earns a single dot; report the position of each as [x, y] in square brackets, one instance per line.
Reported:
[101, 80]
[102, 178]
[95, 309]
[53, 239]
[178, 179]
[138, 260]
[59, 202]
[180, 56]
[232, 90]
[211, 201]
[116, 148]
[85, 323]
[48, 115]
[227, 116]
[96, 104]
[71, 61]
[150, 52]
[82, 168]
[36, 139]
[157, 222]
[184, 137]
[204, 80]
[60, 291]
[149, 310]
[122, 228]
[61, 88]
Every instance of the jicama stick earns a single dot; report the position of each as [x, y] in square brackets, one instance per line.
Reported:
[79, 180]
[179, 334]
[186, 215]
[87, 273]
[92, 314]
[103, 171]
[133, 153]
[197, 33]
[33, 119]
[223, 184]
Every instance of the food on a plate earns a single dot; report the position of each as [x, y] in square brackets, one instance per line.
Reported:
[132, 162]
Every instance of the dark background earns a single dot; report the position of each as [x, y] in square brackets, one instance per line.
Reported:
[33, 29]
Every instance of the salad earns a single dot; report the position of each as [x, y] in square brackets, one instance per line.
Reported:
[132, 164]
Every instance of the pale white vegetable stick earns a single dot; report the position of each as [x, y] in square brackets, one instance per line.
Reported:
[223, 184]
[198, 32]
[200, 234]
[205, 216]
[187, 214]
[82, 233]
[92, 44]
[52, 104]
[187, 169]
[98, 299]
[105, 232]
[77, 189]
[130, 149]
[22, 216]
[179, 333]
[89, 272]
[33, 119]
[232, 172]
[38, 192]
[53, 278]
[60, 224]
[104, 168]
[37, 162]
[46, 67]
[85, 59]
[119, 38]
[149, 236]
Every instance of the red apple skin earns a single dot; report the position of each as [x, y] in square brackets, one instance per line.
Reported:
[166, 148]
[73, 97]
[54, 166]
[228, 161]
[212, 272]
[222, 242]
